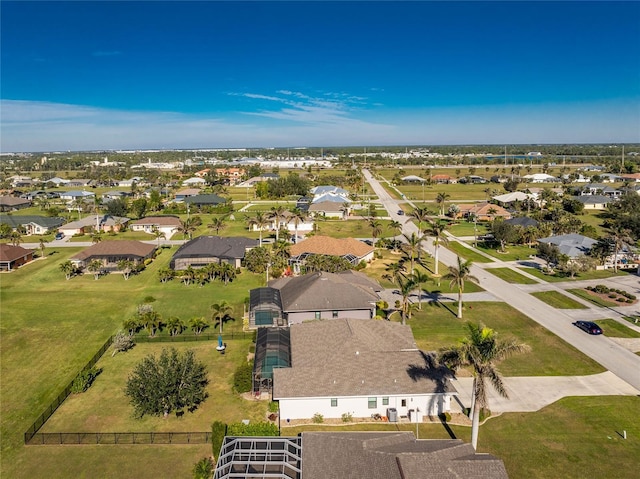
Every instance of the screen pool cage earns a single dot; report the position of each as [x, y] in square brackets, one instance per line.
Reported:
[273, 350]
[265, 308]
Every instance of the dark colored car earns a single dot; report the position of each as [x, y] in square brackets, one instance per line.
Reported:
[400, 212]
[589, 327]
[59, 236]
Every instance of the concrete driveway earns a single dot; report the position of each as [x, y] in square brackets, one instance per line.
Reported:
[528, 394]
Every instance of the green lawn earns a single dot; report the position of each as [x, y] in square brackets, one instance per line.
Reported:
[574, 438]
[467, 253]
[584, 294]
[510, 276]
[558, 300]
[558, 278]
[436, 326]
[614, 329]
[464, 228]
[511, 253]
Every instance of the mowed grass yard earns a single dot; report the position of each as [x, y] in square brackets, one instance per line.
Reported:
[51, 327]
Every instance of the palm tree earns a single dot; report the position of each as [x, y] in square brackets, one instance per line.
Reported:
[96, 238]
[68, 268]
[227, 272]
[132, 325]
[188, 275]
[297, 216]
[16, 238]
[376, 229]
[189, 226]
[157, 234]
[42, 246]
[220, 312]
[217, 223]
[437, 229]
[481, 350]
[277, 214]
[421, 215]
[165, 274]
[175, 325]
[412, 247]
[395, 271]
[419, 277]
[441, 199]
[95, 267]
[458, 275]
[619, 238]
[197, 325]
[406, 285]
[151, 321]
[259, 221]
[126, 266]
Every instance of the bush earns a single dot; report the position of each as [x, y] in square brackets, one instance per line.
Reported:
[347, 417]
[218, 432]
[243, 378]
[274, 406]
[253, 429]
[445, 417]
[621, 300]
[203, 469]
[612, 296]
[121, 342]
[317, 418]
[601, 288]
[84, 380]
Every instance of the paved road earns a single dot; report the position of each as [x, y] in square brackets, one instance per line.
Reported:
[620, 361]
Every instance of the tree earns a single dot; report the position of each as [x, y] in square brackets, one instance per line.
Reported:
[127, 267]
[620, 238]
[96, 237]
[15, 237]
[188, 275]
[220, 312]
[175, 325]
[419, 277]
[203, 469]
[117, 207]
[437, 229]
[165, 274]
[458, 275]
[132, 325]
[217, 223]
[69, 269]
[259, 222]
[441, 200]
[504, 233]
[188, 226]
[298, 216]
[394, 271]
[121, 342]
[227, 272]
[406, 285]
[157, 234]
[481, 350]
[421, 215]
[42, 245]
[139, 207]
[412, 247]
[151, 321]
[198, 324]
[257, 259]
[95, 267]
[376, 229]
[277, 214]
[174, 381]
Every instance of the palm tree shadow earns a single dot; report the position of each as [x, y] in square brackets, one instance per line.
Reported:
[226, 319]
[440, 374]
[435, 299]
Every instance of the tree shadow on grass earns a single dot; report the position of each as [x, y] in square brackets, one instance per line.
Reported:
[435, 298]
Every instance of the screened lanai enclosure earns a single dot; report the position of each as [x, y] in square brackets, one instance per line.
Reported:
[273, 350]
[265, 308]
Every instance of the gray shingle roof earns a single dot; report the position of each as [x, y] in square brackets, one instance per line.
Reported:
[116, 248]
[323, 291]
[573, 245]
[393, 455]
[44, 221]
[227, 247]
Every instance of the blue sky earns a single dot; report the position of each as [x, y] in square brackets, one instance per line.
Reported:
[119, 74]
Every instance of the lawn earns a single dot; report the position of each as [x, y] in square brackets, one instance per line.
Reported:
[511, 253]
[614, 329]
[558, 278]
[584, 294]
[510, 276]
[436, 326]
[466, 253]
[465, 228]
[574, 438]
[558, 300]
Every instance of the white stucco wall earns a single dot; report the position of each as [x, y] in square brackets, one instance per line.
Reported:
[358, 406]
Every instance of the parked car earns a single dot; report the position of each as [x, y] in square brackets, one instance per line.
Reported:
[589, 327]
[59, 236]
[400, 212]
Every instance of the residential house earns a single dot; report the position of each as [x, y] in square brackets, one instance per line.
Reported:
[318, 295]
[413, 179]
[232, 175]
[12, 203]
[610, 178]
[92, 223]
[572, 245]
[523, 221]
[195, 181]
[56, 181]
[594, 202]
[360, 367]
[32, 224]
[203, 250]
[329, 209]
[76, 195]
[600, 189]
[80, 183]
[483, 211]
[18, 181]
[111, 252]
[353, 455]
[115, 195]
[329, 193]
[185, 193]
[443, 179]
[288, 222]
[12, 257]
[204, 200]
[632, 177]
[130, 182]
[540, 178]
[351, 249]
[165, 224]
[512, 197]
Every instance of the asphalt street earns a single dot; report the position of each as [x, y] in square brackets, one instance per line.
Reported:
[610, 354]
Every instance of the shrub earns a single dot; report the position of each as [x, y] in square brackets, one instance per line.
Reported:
[84, 380]
[612, 296]
[274, 406]
[253, 429]
[317, 418]
[629, 301]
[218, 431]
[445, 417]
[347, 417]
[243, 378]
[121, 342]
[148, 261]
[621, 300]
[601, 288]
[203, 469]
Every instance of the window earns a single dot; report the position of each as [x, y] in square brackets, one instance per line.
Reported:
[335, 314]
[403, 403]
[373, 403]
[334, 402]
[385, 401]
[317, 314]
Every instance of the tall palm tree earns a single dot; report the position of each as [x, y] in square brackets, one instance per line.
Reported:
[220, 311]
[412, 247]
[406, 285]
[157, 234]
[217, 223]
[437, 229]
[481, 350]
[297, 216]
[42, 245]
[175, 325]
[395, 271]
[95, 267]
[16, 238]
[259, 221]
[188, 226]
[441, 200]
[376, 230]
[277, 214]
[419, 277]
[458, 275]
[619, 237]
[421, 215]
[68, 268]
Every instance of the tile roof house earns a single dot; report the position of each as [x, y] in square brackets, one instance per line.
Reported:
[354, 455]
[361, 367]
[33, 224]
[482, 211]
[319, 295]
[166, 224]
[443, 179]
[110, 252]
[203, 250]
[12, 257]
[103, 223]
[351, 249]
